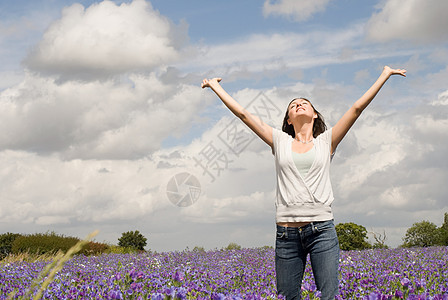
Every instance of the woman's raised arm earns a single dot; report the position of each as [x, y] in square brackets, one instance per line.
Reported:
[348, 119]
[260, 128]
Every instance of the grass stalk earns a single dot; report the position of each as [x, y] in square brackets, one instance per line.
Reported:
[54, 267]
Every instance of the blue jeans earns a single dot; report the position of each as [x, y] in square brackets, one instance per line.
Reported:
[292, 246]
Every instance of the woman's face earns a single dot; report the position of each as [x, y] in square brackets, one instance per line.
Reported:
[299, 107]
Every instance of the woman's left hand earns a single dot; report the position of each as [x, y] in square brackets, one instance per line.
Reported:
[389, 71]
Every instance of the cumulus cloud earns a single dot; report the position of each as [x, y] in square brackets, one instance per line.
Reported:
[106, 39]
[299, 10]
[414, 20]
[76, 191]
[282, 52]
[98, 192]
[442, 99]
[381, 147]
[372, 179]
[380, 170]
[79, 153]
[99, 119]
[231, 209]
[398, 171]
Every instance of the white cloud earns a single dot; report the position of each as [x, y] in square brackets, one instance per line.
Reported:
[97, 119]
[231, 209]
[395, 197]
[398, 169]
[382, 147]
[282, 52]
[442, 99]
[413, 20]
[286, 53]
[8, 79]
[65, 192]
[430, 126]
[77, 154]
[101, 191]
[105, 39]
[379, 170]
[299, 10]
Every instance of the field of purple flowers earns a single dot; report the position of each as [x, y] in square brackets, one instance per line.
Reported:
[235, 274]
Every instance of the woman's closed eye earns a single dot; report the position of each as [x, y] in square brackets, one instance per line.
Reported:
[295, 105]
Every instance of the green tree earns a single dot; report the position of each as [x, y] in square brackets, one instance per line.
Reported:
[422, 234]
[352, 236]
[233, 246]
[6, 242]
[133, 239]
[443, 230]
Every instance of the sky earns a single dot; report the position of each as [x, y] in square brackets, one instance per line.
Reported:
[105, 125]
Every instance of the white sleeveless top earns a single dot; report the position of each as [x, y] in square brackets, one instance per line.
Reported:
[303, 199]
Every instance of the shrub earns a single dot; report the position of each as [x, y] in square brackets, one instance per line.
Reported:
[6, 241]
[133, 239]
[48, 243]
[233, 246]
[198, 249]
[113, 249]
[94, 248]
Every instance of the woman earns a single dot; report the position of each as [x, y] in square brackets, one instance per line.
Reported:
[303, 151]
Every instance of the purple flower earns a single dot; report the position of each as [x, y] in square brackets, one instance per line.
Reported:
[136, 274]
[420, 283]
[181, 293]
[372, 296]
[405, 282]
[229, 275]
[170, 291]
[306, 286]
[178, 276]
[115, 295]
[157, 296]
[219, 296]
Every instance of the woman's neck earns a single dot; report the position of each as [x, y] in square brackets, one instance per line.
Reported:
[304, 133]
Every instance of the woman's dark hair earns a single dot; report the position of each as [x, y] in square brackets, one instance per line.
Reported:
[318, 125]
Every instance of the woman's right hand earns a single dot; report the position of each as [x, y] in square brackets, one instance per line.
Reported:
[209, 82]
[257, 125]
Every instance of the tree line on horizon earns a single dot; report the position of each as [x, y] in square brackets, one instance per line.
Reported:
[351, 237]
[50, 243]
[421, 234]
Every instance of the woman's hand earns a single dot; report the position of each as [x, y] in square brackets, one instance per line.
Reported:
[389, 71]
[260, 128]
[341, 128]
[210, 82]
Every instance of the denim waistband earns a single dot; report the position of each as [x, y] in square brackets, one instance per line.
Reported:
[309, 225]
